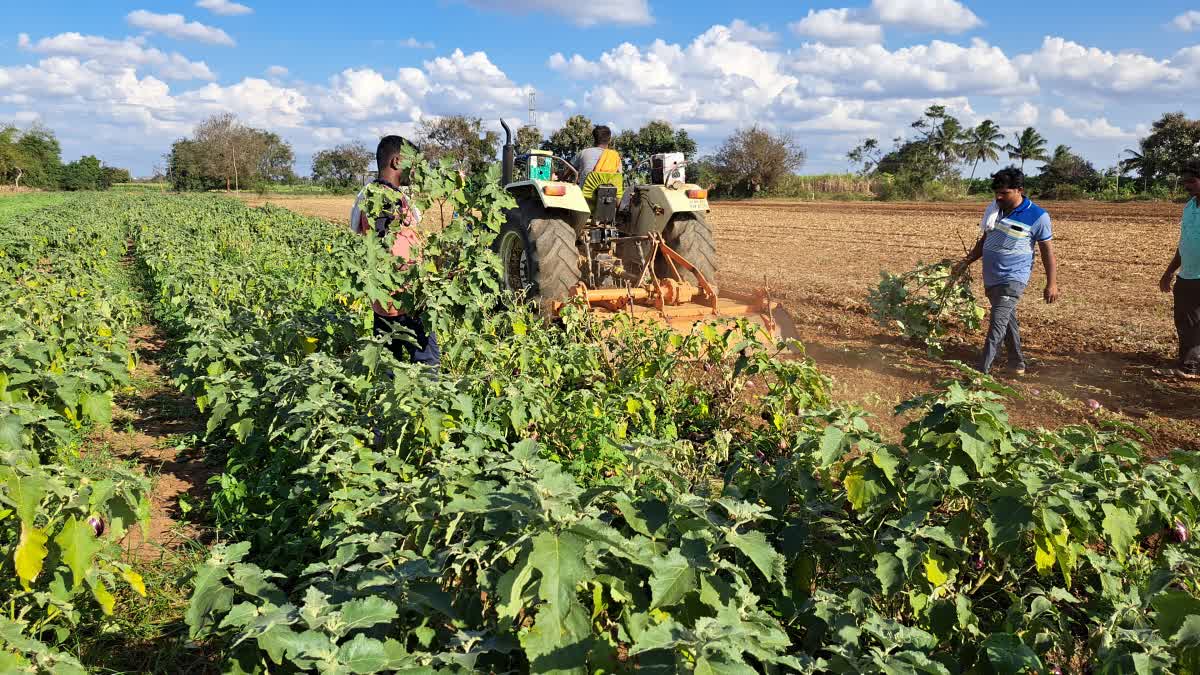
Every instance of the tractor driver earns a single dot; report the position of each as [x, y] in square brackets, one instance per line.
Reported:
[598, 158]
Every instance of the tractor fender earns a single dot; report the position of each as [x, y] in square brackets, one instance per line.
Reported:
[659, 203]
[571, 200]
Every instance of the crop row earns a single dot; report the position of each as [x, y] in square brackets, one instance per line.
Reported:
[69, 303]
[612, 497]
[597, 496]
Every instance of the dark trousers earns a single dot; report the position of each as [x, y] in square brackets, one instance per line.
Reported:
[1187, 323]
[1003, 326]
[424, 351]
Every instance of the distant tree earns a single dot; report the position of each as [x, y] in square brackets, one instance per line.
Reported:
[1173, 141]
[636, 147]
[276, 158]
[1030, 146]
[866, 155]
[84, 173]
[1067, 169]
[982, 144]
[223, 151]
[43, 157]
[754, 159]
[461, 139]
[187, 167]
[13, 162]
[339, 168]
[947, 141]
[111, 175]
[528, 138]
[575, 135]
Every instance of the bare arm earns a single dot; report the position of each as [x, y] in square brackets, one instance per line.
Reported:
[1168, 277]
[1051, 265]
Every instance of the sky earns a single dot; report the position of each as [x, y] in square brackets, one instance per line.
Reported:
[123, 80]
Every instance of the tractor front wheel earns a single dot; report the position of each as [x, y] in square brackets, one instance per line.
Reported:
[538, 256]
[692, 237]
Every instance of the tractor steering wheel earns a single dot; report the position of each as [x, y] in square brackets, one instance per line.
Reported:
[566, 163]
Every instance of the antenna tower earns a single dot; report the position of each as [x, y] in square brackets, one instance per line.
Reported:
[532, 108]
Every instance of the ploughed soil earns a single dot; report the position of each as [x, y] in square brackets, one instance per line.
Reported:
[156, 427]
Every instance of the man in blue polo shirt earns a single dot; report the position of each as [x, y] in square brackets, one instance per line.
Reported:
[1011, 225]
[1186, 264]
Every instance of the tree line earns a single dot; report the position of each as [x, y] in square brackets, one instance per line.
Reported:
[929, 163]
[32, 158]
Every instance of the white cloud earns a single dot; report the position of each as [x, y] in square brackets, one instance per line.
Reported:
[1071, 65]
[837, 26]
[176, 26]
[940, 68]
[277, 71]
[759, 35]
[612, 12]
[414, 43]
[224, 7]
[1188, 21]
[119, 54]
[1026, 115]
[1099, 128]
[932, 15]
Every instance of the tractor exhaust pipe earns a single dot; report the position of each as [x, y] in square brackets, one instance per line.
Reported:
[507, 155]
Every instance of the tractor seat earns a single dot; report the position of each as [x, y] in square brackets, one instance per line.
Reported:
[603, 192]
[604, 205]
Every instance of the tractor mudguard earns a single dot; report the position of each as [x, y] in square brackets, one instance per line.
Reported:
[659, 203]
[571, 199]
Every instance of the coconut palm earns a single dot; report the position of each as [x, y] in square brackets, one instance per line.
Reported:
[982, 144]
[1030, 146]
[946, 140]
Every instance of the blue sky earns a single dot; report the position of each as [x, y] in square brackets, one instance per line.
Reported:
[123, 79]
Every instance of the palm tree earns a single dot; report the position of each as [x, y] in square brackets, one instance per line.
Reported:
[1143, 164]
[983, 144]
[946, 141]
[1030, 146]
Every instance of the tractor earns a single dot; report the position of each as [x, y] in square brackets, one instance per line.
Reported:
[643, 249]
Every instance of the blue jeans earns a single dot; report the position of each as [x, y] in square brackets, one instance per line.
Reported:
[1003, 326]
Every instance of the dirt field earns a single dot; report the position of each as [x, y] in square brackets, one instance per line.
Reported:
[1100, 341]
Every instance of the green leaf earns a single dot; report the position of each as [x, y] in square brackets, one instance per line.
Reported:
[887, 462]
[363, 655]
[665, 635]
[27, 493]
[754, 545]
[10, 432]
[710, 665]
[30, 554]
[97, 407]
[890, 572]
[1121, 528]
[831, 446]
[671, 578]
[979, 450]
[367, 612]
[78, 545]
[1172, 608]
[1010, 656]
[557, 641]
[862, 488]
[210, 598]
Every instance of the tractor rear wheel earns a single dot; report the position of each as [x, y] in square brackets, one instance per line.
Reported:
[538, 255]
[692, 237]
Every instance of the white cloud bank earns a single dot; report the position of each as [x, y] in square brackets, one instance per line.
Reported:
[176, 26]
[224, 7]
